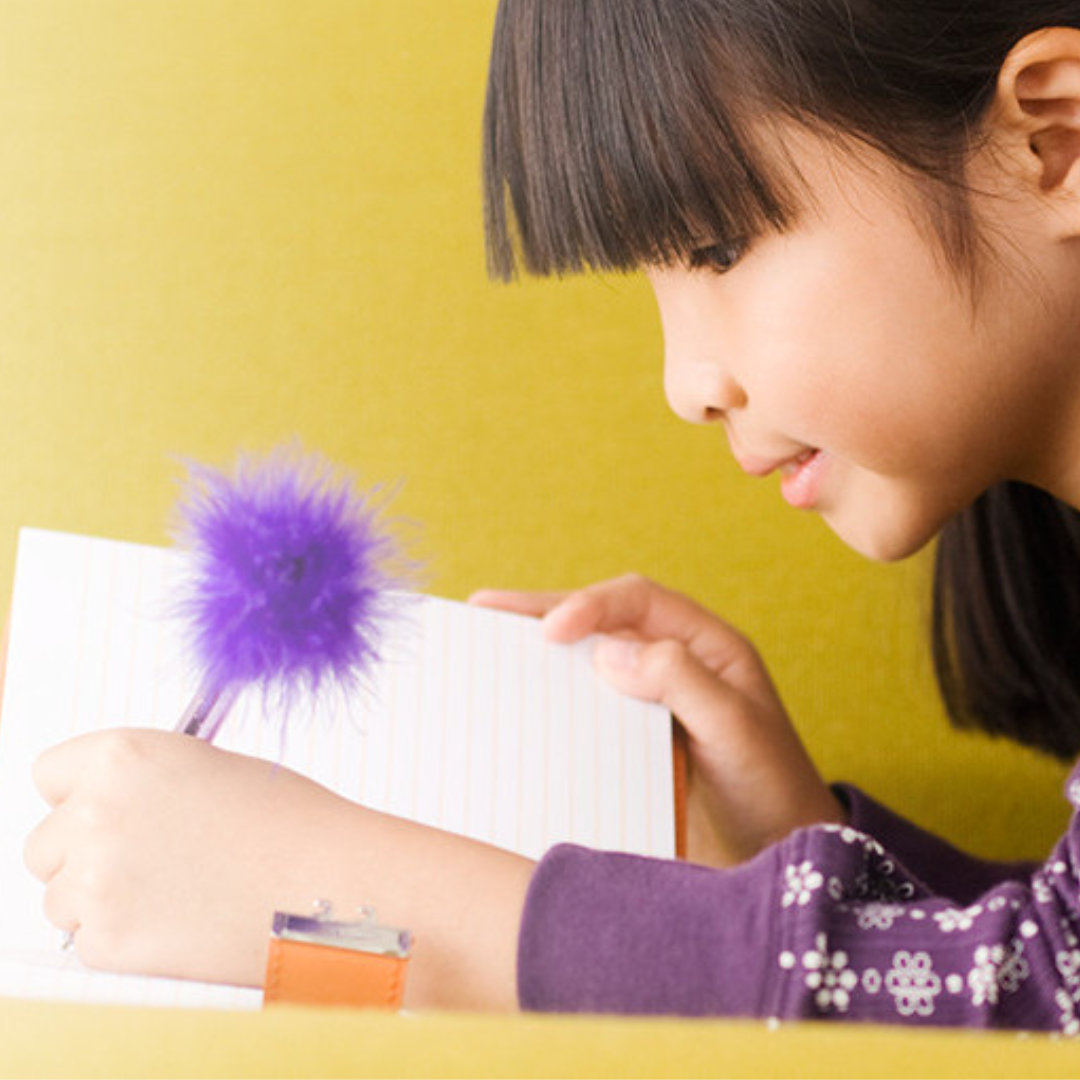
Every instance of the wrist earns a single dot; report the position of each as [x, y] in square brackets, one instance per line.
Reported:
[461, 899]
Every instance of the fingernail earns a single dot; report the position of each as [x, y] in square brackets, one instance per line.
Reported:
[618, 653]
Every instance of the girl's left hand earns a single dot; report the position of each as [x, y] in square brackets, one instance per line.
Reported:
[750, 779]
[165, 855]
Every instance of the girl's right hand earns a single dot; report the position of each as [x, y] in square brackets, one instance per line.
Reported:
[751, 780]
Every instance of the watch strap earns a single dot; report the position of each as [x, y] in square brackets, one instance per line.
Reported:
[304, 973]
[314, 960]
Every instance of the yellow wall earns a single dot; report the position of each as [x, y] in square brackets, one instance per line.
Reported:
[224, 222]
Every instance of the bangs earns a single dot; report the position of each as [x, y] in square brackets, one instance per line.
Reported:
[615, 135]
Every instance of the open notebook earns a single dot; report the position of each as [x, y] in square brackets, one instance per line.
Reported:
[471, 723]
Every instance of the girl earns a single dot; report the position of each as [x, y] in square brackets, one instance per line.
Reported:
[861, 222]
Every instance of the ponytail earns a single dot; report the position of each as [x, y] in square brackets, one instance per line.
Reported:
[1006, 618]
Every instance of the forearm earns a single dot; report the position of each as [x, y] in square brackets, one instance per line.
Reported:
[167, 856]
[461, 899]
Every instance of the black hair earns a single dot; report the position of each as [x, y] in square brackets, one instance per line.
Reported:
[619, 133]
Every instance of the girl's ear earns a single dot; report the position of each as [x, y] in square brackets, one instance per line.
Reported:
[1038, 111]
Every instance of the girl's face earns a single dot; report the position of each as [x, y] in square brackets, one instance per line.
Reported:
[847, 355]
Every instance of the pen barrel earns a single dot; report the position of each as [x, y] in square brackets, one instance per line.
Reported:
[206, 711]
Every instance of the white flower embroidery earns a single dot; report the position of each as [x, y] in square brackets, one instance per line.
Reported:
[956, 919]
[914, 984]
[1015, 969]
[802, 880]
[997, 969]
[1073, 792]
[829, 976]
[871, 980]
[1041, 889]
[1068, 965]
[1070, 1023]
[878, 916]
[982, 979]
[847, 833]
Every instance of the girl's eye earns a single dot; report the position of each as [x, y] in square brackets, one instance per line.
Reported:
[719, 258]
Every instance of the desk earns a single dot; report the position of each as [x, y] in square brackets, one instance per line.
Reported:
[39, 1039]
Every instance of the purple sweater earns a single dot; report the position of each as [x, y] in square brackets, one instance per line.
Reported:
[876, 920]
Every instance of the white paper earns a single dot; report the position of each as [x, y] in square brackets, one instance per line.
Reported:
[471, 723]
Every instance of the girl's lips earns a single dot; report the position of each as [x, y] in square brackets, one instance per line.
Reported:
[802, 479]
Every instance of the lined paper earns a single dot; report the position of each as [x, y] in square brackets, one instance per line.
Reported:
[470, 723]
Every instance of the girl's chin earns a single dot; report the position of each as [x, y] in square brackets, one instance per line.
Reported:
[881, 538]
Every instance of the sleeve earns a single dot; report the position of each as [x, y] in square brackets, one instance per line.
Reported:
[945, 870]
[825, 924]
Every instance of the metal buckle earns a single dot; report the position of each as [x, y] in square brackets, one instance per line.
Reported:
[361, 935]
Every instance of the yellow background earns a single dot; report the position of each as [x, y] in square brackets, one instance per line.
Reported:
[227, 222]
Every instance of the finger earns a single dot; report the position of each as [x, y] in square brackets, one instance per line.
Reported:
[60, 904]
[57, 771]
[91, 759]
[519, 601]
[45, 848]
[667, 672]
[635, 605]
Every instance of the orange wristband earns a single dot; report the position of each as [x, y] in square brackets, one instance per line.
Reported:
[317, 961]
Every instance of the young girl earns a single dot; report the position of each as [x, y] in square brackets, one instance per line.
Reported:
[862, 225]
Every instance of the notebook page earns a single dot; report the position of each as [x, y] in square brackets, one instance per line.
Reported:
[471, 722]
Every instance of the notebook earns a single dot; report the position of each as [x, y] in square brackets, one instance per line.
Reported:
[470, 722]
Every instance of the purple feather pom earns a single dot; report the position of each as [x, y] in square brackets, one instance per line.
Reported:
[290, 575]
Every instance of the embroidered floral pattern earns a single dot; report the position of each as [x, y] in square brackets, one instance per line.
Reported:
[801, 882]
[1015, 969]
[914, 984]
[996, 969]
[952, 919]
[982, 979]
[1067, 934]
[1067, 1020]
[859, 950]
[829, 976]
[846, 833]
[1067, 961]
[1072, 792]
[877, 916]
[1041, 889]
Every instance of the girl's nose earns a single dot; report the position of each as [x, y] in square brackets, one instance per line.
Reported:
[699, 385]
[700, 391]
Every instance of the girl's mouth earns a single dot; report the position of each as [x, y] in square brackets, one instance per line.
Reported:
[802, 478]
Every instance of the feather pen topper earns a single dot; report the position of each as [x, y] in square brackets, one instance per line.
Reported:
[291, 578]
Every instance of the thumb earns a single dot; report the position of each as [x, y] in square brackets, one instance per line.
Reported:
[667, 672]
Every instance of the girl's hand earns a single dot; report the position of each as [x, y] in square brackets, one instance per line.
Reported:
[751, 780]
[168, 856]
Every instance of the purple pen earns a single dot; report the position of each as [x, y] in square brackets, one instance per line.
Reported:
[290, 577]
